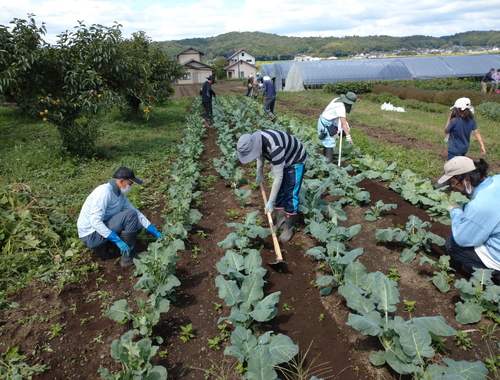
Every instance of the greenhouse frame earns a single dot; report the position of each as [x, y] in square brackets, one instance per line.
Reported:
[298, 76]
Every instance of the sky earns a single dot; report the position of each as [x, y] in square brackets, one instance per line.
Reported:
[166, 20]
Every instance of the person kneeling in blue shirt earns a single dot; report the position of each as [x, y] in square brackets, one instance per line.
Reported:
[475, 239]
[107, 216]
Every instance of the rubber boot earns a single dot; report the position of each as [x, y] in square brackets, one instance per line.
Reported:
[491, 90]
[280, 218]
[130, 238]
[288, 231]
[106, 251]
[272, 115]
[328, 153]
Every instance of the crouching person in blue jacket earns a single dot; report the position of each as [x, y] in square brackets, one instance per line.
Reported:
[475, 239]
[107, 217]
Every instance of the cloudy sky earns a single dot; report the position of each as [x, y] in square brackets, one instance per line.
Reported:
[165, 20]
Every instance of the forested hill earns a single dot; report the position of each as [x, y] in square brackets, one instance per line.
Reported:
[266, 46]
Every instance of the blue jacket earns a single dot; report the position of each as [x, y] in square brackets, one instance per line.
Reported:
[479, 222]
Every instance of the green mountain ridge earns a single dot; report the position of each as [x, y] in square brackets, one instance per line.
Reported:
[268, 47]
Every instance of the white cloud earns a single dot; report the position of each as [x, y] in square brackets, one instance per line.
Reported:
[178, 19]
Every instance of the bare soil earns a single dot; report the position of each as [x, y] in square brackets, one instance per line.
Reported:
[311, 321]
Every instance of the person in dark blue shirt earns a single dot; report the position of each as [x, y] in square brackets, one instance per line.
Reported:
[270, 90]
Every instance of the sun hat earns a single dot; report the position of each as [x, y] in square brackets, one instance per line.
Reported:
[126, 173]
[266, 78]
[457, 165]
[349, 98]
[249, 147]
[462, 103]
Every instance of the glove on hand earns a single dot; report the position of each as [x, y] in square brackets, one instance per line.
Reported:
[153, 231]
[269, 206]
[124, 248]
[349, 139]
[259, 178]
[453, 205]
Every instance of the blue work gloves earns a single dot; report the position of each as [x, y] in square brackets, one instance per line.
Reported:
[153, 231]
[124, 248]
[270, 206]
[259, 178]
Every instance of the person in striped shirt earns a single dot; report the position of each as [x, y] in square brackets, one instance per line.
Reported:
[288, 158]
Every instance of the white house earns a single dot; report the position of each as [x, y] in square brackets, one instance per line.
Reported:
[241, 65]
[197, 71]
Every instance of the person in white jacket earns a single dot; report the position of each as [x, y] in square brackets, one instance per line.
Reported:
[107, 216]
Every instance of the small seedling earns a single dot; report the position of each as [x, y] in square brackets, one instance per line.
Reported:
[463, 341]
[186, 333]
[72, 308]
[195, 251]
[163, 354]
[233, 214]
[286, 307]
[218, 306]
[201, 234]
[410, 306]
[55, 330]
[394, 274]
[489, 331]
[119, 278]
[321, 317]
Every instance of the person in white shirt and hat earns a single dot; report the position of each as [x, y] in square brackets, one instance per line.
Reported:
[333, 122]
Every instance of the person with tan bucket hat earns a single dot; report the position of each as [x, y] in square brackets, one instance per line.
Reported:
[475, 227]
[332, 122]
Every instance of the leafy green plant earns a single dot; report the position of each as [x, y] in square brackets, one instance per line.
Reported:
[463, 341]
[444, 273]
[415, 236]
[242, 196]
[186, 333]
[135, 358]
[55, 330]
[261, 354]
[394, 274]
[215, 343]
[240, 284]
[410, 306]
[301, 368]
[286, 307]
[479, 295]
[13, 367]
[233, 214]
[374, 213]
[244, 232]
[374, 167]
[321, 317]
[406, 344]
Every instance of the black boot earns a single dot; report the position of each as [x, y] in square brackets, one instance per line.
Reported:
[288, 231]
[280, 218]
[328, 153]
[130, 238]
[106, 251]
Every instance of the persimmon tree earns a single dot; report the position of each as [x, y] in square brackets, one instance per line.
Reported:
[86, 71]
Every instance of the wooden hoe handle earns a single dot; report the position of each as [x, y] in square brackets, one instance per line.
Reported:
[271, 225]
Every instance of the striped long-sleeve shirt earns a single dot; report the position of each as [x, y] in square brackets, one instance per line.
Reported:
[282, 149]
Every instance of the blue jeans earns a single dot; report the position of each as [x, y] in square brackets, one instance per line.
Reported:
[288, 195]
[123, 221]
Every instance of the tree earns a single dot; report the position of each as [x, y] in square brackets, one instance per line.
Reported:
[87, 70]
[219, 64]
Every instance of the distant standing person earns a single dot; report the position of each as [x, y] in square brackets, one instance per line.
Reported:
[488, 77]
[270, 90]
[207, 94]
[496, 80]
[288, 158]
[460, 125]
[249, 85]
[333, 121]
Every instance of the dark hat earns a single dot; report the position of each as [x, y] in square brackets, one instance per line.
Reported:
[126, 173]
[349, 98]
[249, 147]
[211, 77]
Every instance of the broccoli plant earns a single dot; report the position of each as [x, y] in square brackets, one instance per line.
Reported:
[479, 295]
[415, 236]
[244, 232]
[374, 213]
[443, 274]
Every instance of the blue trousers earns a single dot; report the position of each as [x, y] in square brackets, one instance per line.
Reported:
[466, 256]
[288, 195]
[123, 221]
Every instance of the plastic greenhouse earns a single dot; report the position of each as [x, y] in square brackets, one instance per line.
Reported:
[314, 74]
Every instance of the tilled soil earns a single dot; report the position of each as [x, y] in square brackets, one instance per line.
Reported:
[317, 324]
